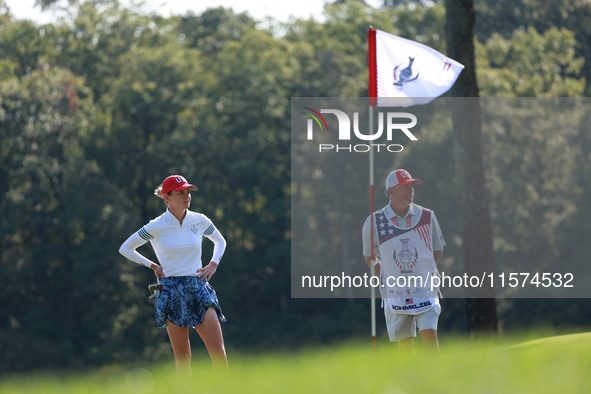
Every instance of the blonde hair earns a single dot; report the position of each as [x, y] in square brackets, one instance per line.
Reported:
[158, 193]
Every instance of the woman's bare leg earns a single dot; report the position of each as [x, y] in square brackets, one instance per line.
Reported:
[179, 338]
[210, 332]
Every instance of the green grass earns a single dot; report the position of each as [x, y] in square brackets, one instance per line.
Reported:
[549, 365]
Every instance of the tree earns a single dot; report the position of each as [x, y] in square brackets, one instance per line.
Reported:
[475, 224]
[505, 17]
[58, 214]
[530, 64]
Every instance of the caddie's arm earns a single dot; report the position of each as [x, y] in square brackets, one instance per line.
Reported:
[369, 260]
[438, 241]
[437, 255]
[369, 248]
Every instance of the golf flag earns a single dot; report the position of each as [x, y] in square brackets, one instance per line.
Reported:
[404, 72]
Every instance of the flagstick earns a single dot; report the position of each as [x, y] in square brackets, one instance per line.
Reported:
[373, 257]
[372, 67]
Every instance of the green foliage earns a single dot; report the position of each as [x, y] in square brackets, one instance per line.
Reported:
[52, 235]
[213, 29]
[543, 365]
[506, 17]
[529, 64]
[25, 45]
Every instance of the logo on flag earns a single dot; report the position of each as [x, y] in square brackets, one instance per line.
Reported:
[404, 72]
[405, 75]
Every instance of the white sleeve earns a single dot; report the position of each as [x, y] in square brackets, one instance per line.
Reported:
[437, 236]
[219, 243]
[128, 249]
[366, 238]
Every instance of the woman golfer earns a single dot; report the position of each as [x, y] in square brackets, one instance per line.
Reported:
[187, 299]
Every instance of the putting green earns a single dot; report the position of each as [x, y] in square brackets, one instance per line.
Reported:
[547, 365]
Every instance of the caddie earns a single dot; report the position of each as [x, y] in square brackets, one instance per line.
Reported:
[407, 245]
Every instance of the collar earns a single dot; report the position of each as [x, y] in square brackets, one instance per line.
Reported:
[412, 210]
[169, 216]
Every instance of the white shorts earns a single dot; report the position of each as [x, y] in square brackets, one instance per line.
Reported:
[401, 326]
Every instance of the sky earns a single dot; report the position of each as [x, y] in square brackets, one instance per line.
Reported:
[258, 9]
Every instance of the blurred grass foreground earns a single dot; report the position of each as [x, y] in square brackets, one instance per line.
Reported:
[547, 365]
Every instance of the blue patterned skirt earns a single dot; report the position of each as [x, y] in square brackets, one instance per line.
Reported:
[184, 300]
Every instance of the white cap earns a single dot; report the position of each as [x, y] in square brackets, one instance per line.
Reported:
[400, 177]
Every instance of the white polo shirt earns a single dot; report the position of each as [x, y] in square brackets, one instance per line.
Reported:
[177, 247]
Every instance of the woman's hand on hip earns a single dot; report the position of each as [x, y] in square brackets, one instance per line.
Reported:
[207, 271]
[157, 271]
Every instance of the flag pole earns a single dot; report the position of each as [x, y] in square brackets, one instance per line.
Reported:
[371, 62]
[373, 256]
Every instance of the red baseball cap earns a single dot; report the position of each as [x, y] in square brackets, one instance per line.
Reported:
[401, 177]
[176, 183]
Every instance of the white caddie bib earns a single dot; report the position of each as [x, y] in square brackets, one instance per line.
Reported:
[408, 265]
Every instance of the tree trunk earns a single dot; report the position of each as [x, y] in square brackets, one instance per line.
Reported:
[475, 225]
